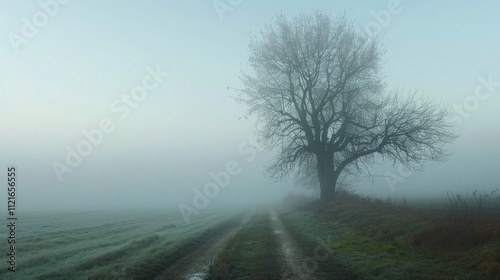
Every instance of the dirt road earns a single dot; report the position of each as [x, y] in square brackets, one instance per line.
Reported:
[195, 264]
[293, 260]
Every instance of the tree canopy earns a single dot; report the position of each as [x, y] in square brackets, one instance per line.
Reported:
[317, 90]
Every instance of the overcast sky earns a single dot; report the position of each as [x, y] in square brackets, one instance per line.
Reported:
[66, 66]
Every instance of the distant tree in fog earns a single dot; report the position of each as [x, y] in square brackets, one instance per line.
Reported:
[321, 103]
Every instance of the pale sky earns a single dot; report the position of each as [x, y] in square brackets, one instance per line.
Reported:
[81, 59]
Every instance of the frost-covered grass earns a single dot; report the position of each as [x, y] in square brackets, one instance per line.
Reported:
[102, 245]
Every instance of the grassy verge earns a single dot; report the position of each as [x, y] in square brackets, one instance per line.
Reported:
[251, 254]
[375, 240]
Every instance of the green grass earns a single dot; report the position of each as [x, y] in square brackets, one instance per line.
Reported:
[251, 254]
[375, 240]
[157, 260]
[105, 245]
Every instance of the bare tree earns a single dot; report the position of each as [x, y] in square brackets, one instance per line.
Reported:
[321, 103]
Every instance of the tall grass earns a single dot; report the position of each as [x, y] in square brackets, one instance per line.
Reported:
[469, 207]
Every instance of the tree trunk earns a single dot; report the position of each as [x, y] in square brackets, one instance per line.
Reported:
[326, 177]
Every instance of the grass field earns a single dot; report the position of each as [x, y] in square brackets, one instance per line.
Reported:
[361, 238]
[103, 245]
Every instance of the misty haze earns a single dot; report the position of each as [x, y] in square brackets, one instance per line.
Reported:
[229, 139]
